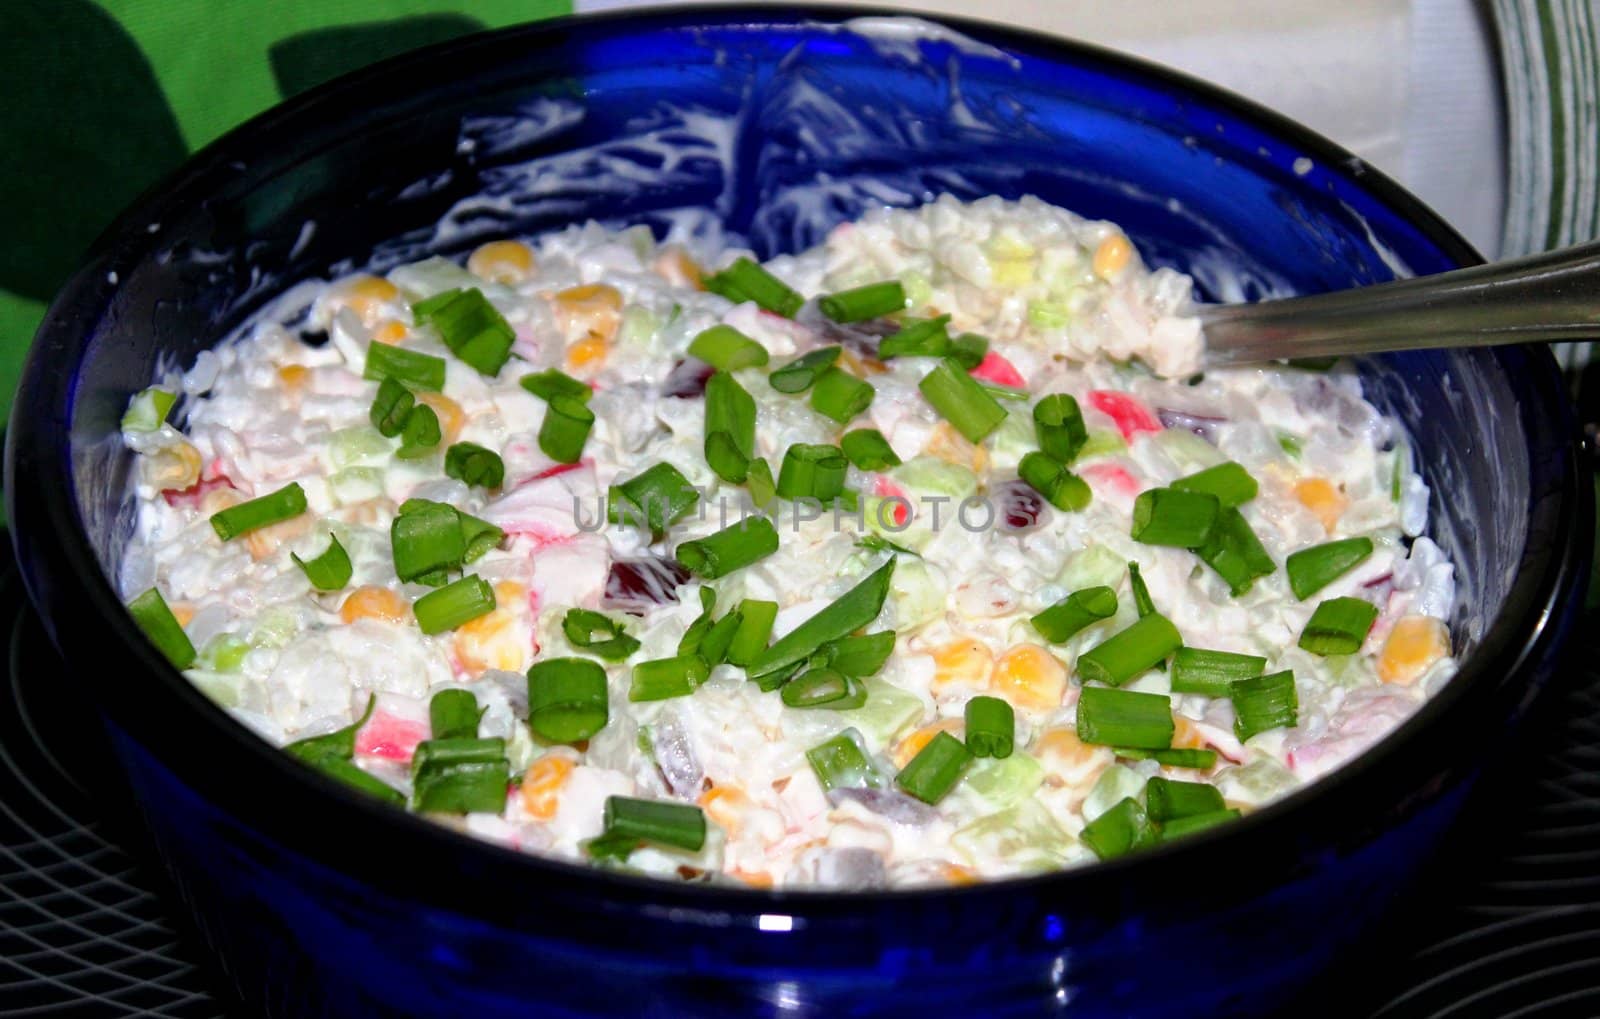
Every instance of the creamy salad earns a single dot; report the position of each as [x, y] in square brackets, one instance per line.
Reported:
[924, 556]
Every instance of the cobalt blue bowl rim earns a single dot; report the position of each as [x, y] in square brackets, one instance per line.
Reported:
[61, 568]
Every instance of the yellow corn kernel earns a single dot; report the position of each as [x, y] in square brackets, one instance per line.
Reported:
[725, 804]
[365, 295]
[860, 366]
[451, 416]
[1415, 643]
[1068, 760]
[1030, 677]
[912, 745]
[508, 593]
[174, 466]
[1112, 256]
[966, 661]
[957, 874]
[373, 602]
[390, 332]
[541, 786]
[264, 541]
[593, 310]
[1185, 735]
[676, 267]
[502, 262]
[1321, 497]
[492, 641]
[952, 447]
[294, 375]
[590, 350]
[755, 879]
[182, 611]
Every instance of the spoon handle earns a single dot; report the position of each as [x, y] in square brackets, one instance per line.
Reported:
[1554, 295]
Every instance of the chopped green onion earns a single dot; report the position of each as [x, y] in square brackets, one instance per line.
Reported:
[725, 459]
[1312, 569]
[730, 428]
[960, 400]
[1167, 516]
[870, 301]
[419, 371]
[1167, 799]
[284, 504]
[453, 714]
[732, 548]
[1229, 482]
[1125, 655]
[1264, 702]
[565, 429]
[1123, 828]
[759, 482]
[928, 337]
[678, 825]
[755, 626]
[329, 571]
[1235, 553]
[348, 772]
[868, 449]
[470, 326]
[425, 538]
[991, 727]
[745, 280]
[155, 618]
[840, 395]
[1141, 594]
[420, 434]
[473, 465]
[969, 350]
[1077, 610]
[1339, 626]
[770, 681]
[936, 768]
[1179, 827]
[1124, 718]
[1212, 673]
[876, 543]
[1050, 478]
[1290, 445]
[663, 678]
[341, 743]
[713, 649]
[798, 375]
[823, 688]
[598, 634]
[859, 656]
[812, 472]
[1176, 757]
[695, 635]
[551, 383]
[390, 408]
[459, 776]
[854, 609]
[727, 349]
[455, 603]
[567, 699]
[1058, 423]
[147, 411]
[840, 763]
[655, 498]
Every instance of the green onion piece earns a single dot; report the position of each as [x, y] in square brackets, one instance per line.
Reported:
[727, 349]
[455, 603]
[454, 714]
[284, 504]
[755, 626]
[1166, 516]
[928, 337]
[840, 395]
[1059, 425]
[1312, 569]
[1141, 594]
[692, 638]
[1179, 827]
[870, 301]
[1124, 718]
[875, 543]
[1212, 673]
[1264, 702]
[470, 326]
[598, 634]
[1339, 626]
[678, 825]
[419, 371]
[854, 609]
[868, 449]
[390, 408]
[147, 411]
[329, 571]
[567, 699]
[823, 688]
[840, 763]
[474, 465]
[1290, 445]
[1176, 757]
[420, 435]
[991, 727]
[1077, 610]
[968, 350]
[770, 681]
[725, 459]
[340, 744]
[730, 428]
[1229, 482]
[1061, 488]
[732, 548]
[936, 769]
[960, 400]
[551, 383]
[713, 649]
[860, 656]
[427, 537]
[350, 774]
[1168, 800]
[565, 429]
[1125, 655]
[1123, 828]
[656, 498]
[155, 618]
[663, 678]
[745, 280]
[480, 535]
[459, 776]
[1235, 553]
[812, 472]
[798, 375]
[759, 482]
[435, 753]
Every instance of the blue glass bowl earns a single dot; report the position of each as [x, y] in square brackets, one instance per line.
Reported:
[771, 124]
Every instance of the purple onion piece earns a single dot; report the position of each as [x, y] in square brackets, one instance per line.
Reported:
[860, 338]
[851, 870]
[687, 380]
[675, 755]
[636, 586]
[1203, 425]
[889, 804]
[1017, 506]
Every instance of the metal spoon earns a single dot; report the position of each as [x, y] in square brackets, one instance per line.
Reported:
[1550, 296]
